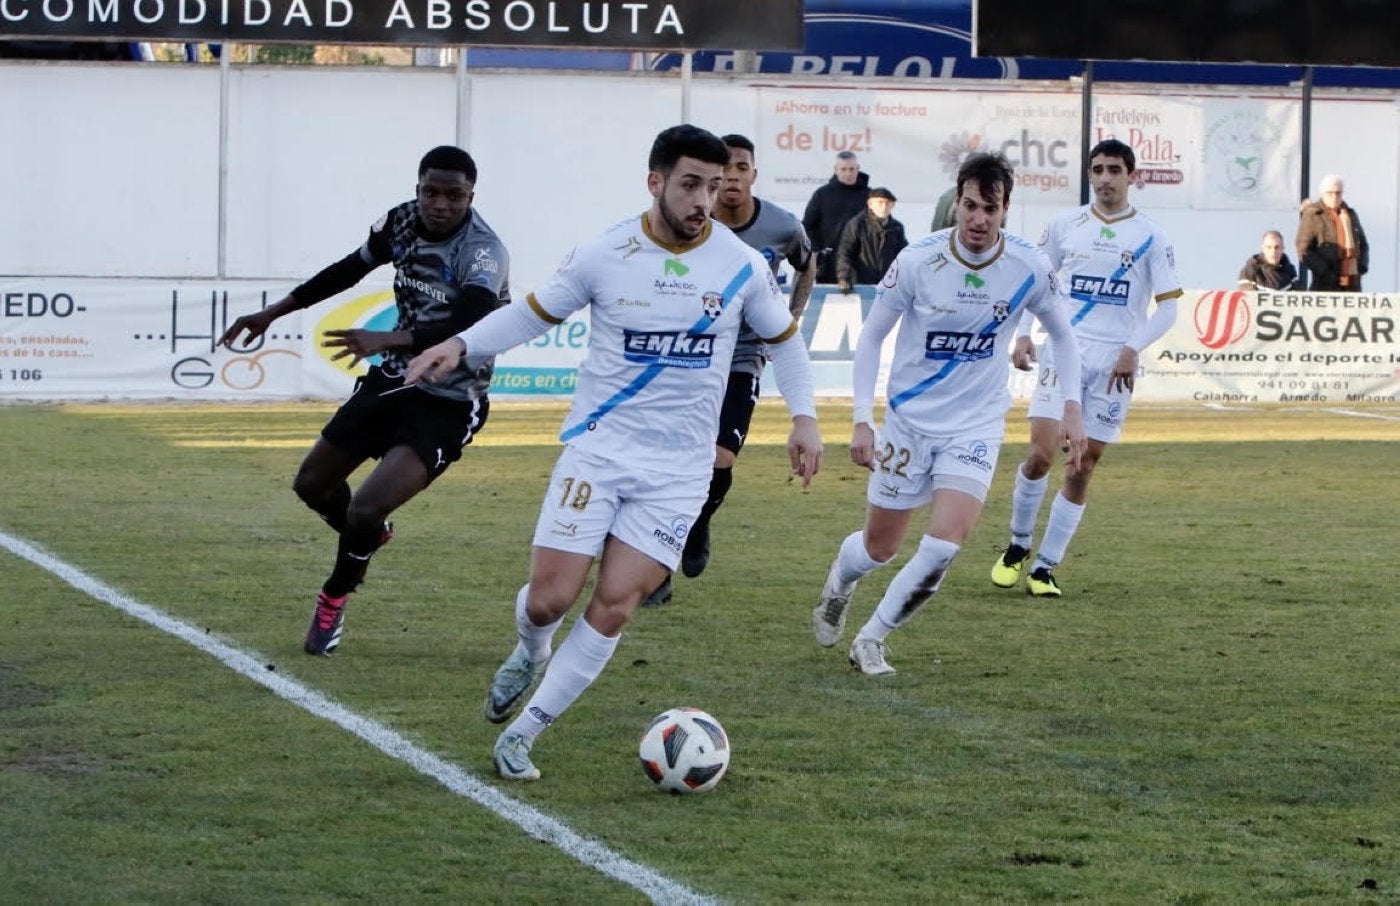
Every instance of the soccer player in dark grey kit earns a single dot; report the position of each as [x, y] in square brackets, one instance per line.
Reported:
[779, 236]
[451, 270]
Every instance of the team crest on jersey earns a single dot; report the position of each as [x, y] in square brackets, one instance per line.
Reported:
[1126, 258]
[449, 276]
[891, 275]
[1000, 310]
[713, 303]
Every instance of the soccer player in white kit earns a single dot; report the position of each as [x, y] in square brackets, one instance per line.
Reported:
[1114, 263]
[958, 295]
[667, 292]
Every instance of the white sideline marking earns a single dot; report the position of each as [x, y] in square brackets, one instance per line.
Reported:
[529, 819]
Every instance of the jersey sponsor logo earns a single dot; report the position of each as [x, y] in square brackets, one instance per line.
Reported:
[485, 263]
[674, 268]
[1103, 290]
[958, 346]
[675, 537]
[673, 287]
[632, 303]
[973, 281]
[433, 292]
[976, 455]
[891, 275]
[632, 246]
[713, 304]
[1106, 233]
[675, 349]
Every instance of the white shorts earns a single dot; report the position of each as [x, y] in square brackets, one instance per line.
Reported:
[1104, 412]
[910, 465]
[590, 498]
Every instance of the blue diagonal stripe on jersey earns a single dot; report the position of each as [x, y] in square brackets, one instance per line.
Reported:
[1117, 275]
[651, 371]
[932, 380]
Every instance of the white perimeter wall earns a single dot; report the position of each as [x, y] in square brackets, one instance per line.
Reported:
[113, 170]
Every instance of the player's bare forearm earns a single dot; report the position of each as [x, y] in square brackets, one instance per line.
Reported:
[802, 288]
[435, 362]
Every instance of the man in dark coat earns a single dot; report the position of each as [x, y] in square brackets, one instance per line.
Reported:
[829, 209]
[1331, 244]
[869, 242]
[1270, 268]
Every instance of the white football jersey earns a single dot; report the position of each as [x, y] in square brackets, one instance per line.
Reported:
[1110, 269]
[664, 322]
[958, 320]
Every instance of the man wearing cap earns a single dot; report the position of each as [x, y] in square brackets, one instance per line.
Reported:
[869, 242]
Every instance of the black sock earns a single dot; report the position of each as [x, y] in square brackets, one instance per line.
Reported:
[352, 560]
[720, 482]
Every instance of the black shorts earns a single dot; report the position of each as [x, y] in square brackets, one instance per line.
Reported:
[382, 413]
[737, 411]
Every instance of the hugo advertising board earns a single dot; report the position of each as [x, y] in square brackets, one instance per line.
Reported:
[1243, 346]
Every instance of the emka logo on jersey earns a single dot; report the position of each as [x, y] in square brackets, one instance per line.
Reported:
[675, 349]
[1086, 287]
[956, 346]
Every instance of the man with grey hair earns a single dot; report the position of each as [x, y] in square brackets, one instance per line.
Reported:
[1331, 244]
[829, 209]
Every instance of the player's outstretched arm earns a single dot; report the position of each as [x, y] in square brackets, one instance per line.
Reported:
[248, 328]
[435, 362]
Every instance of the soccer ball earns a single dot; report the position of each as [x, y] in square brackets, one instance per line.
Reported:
[684, 750]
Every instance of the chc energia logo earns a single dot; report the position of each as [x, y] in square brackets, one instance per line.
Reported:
[1222, 317]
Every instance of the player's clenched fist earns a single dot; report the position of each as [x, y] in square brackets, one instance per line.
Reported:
[435, 362]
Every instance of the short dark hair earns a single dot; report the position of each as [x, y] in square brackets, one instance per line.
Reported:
[686, 141]
[989, 170]
[735, 140]
[448, 157]
[1112, 147]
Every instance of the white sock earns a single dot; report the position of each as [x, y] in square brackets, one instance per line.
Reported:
[913, 585]
[853, 562]
[1026, 499]
[580, 658]
[1059, 531]
[534, 641]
